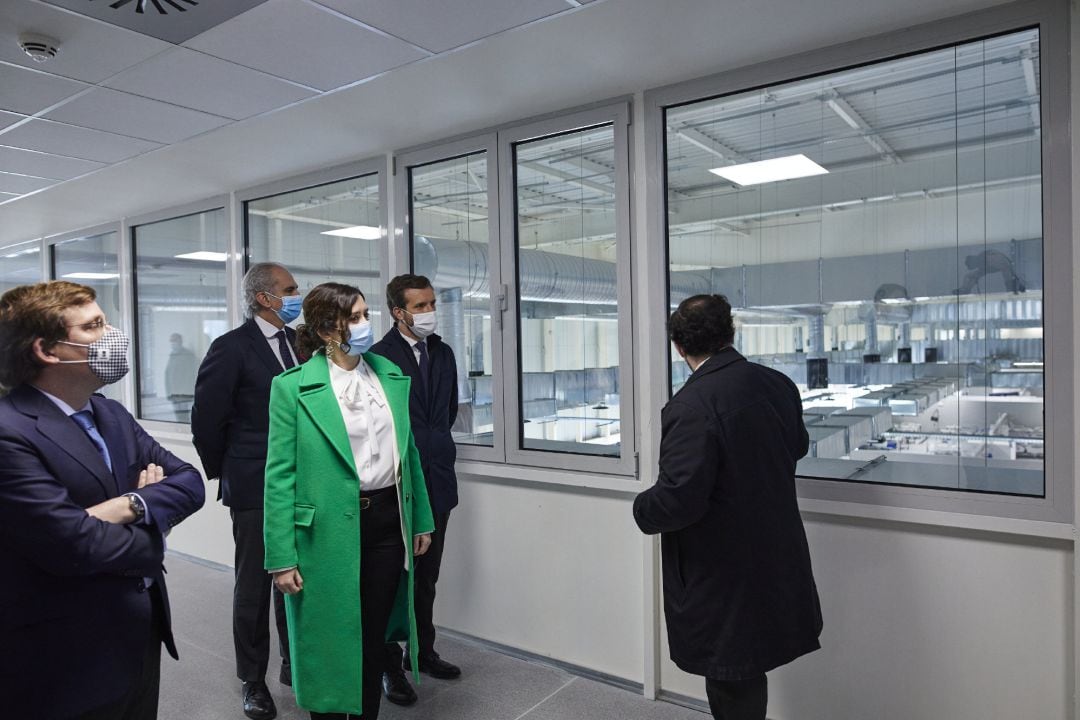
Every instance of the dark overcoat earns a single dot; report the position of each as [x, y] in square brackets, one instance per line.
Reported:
[432, 411]
[739, 593]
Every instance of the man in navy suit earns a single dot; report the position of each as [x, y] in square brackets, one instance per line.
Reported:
[86, 497]
[230, 420]
[433, 403]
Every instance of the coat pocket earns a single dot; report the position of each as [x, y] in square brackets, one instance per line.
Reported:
[303, 515]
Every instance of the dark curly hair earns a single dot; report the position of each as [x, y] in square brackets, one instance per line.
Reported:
[395, 290]
[327, 307]
[702, 325]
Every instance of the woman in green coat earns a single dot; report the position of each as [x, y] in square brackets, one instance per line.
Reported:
[346, 507]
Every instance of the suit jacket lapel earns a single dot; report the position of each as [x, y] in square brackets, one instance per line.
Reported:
[317, 399]
[61, 431]
[261, 347]
[110, 429]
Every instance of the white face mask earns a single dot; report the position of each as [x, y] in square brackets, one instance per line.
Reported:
[423, 324]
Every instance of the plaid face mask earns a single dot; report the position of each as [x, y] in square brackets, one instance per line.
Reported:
[107, 356]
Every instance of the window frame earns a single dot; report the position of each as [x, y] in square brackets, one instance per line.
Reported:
[618, 116]
[339, 173]
[127, 238]
[830, 496]
[404, 163]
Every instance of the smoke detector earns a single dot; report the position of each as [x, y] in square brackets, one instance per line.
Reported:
[40, 48]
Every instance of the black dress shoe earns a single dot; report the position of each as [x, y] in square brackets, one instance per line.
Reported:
[436, 667]
[397, 689]
[285, 676]
[258, 705]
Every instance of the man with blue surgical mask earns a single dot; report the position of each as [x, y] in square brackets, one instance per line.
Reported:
[413, 345]
[229, 425]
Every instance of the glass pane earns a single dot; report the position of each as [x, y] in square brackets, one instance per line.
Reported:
[901, 287]
[448, 208]
[93, 261]
[325, 233]
[20, 265]
[567, 306]
[180, 308]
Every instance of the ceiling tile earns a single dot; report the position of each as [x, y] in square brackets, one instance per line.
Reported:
[26, 91]
[22, 184]
[192, 79]
[26, 162]
[171, 20]
[75, 142]
[134, 116]
[304, 43]
[7, 119]
[440, 26]
[88, 50]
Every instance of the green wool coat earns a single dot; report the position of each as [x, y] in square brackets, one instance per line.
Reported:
[312, 521]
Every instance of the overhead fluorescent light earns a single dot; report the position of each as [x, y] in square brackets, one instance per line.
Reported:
[206, 255]
[775, 170]
[20, 253]
[91, 276]
[359, 232]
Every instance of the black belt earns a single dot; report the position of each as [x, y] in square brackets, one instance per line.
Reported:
[375, 497]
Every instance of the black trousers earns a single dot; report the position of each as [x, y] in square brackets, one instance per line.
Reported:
[141, 701]
[382, 560]
[251, 600]
[738, 699]
[425, 576]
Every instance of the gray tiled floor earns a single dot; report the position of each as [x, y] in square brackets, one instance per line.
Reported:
[203, 685]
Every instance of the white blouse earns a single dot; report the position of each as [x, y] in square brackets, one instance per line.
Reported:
[369, 423]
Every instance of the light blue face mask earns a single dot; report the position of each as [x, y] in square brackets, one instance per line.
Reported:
[290, 306]
[360, 339]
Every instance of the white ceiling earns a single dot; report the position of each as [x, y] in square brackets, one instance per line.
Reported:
[121, 123]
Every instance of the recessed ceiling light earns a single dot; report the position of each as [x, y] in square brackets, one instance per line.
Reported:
[90, 276]
[204, 255]
[774, 170]
[359, 232]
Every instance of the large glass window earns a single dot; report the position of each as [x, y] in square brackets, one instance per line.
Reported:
[567, 305]
[448, 210]
[180, 307]
[879, 233]
[20, 265]
[323, 233]
[92, 261]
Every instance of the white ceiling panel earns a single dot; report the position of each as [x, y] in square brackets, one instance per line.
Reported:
[27, 91]
[440, 26]
[169, 20]
[134, 116]
[304, 43]
[7, 119]
[89, 50]
[27, 162]
[192, 79]
[22, 184]
[77, 142]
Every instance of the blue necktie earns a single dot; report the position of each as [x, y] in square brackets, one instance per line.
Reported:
[283, 348]
[85, 420]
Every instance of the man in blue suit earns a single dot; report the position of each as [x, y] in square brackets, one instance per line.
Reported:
[433, 403]
[86, 497]
[229, 424]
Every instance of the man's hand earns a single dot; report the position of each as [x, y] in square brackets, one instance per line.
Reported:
[152, 474]
[421, 543]
[289, 581]
[115, 510]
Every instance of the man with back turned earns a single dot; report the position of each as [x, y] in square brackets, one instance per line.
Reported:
[739, 593]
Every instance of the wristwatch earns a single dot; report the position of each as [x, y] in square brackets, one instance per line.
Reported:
[136, 506]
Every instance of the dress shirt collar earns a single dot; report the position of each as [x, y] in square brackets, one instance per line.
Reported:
[412, 343]
[64, 407]
[267, 328]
